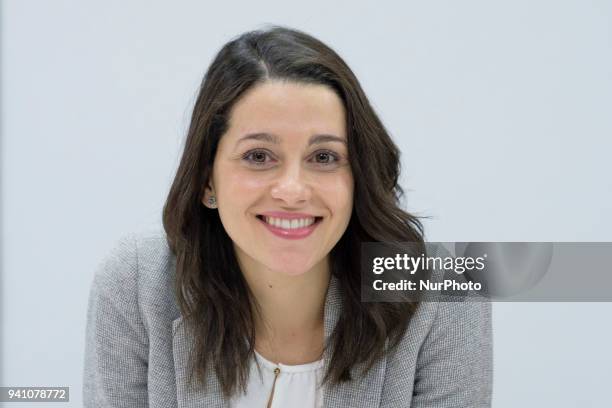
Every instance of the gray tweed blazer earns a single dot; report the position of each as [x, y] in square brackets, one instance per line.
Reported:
[136, 352]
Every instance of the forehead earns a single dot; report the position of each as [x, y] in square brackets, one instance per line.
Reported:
[288, 109]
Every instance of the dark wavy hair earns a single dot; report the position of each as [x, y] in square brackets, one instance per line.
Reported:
[212, 294]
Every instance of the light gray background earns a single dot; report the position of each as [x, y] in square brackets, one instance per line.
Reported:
[501, 110]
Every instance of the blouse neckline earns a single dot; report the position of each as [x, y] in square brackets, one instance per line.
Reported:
[291, 368]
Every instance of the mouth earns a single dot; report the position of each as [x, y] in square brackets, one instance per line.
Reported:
[289, 224]
[290, 229]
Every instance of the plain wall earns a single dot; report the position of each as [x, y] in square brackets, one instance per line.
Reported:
[501, 110]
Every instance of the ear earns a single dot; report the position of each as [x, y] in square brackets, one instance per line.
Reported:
[209, 192]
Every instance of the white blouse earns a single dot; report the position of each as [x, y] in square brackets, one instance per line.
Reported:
[296, 385]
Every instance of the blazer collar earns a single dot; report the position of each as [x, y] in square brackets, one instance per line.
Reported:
[367, 388]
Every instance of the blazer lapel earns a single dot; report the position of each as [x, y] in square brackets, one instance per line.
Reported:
[191, 396]
[361, 392]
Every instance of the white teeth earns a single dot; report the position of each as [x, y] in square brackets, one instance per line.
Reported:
[289, 224]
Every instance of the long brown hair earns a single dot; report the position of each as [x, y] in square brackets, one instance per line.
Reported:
[211, 292]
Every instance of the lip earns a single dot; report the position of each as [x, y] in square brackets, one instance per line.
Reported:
[287, 215]
[298, 233]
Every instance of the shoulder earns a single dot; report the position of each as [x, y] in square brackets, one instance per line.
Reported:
[446, 353]
[139, 265]
[128, 316]
[447, 326]
[134, 252]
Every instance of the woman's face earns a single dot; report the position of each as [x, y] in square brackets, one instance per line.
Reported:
[284, 156]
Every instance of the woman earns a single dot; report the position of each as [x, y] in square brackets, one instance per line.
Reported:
[250, 297]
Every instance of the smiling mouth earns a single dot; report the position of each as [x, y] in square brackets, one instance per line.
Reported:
[289, 225]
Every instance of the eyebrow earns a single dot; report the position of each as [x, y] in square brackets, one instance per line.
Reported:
[270, 138]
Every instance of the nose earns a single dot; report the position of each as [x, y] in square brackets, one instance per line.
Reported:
[290, 186]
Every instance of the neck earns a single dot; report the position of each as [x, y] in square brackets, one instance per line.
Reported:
[289, 306]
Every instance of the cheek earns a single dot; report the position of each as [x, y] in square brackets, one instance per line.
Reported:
[237, 191]
[338, 192]
[238, 186]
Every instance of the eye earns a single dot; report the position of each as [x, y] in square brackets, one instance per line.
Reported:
[256, 157]
[326, 157]
[322, 157]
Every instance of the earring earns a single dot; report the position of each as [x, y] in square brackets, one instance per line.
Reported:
[212, 201]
